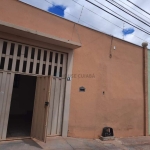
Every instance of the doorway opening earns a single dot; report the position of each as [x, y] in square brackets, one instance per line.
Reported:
[21, 109]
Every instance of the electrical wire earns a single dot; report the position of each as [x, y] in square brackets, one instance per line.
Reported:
[116, 16]
[122, 17]
[128, 13]
[133, 9]
[138, 7]
[95, 14]
[74, 16]
[105, 19]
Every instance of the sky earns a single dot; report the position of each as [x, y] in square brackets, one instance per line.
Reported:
[88, 15]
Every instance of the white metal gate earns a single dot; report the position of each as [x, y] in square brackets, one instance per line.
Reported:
[21, 58]
[17, 58]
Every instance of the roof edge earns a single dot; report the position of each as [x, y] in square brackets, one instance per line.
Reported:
[37, 35]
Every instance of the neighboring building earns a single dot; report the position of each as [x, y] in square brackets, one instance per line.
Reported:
[108, 85]
[149, 89]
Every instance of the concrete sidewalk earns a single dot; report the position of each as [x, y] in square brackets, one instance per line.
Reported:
[59, 143]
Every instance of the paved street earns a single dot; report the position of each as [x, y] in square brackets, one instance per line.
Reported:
[58, 143]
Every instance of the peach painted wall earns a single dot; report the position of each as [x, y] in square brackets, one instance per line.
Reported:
[120, 77]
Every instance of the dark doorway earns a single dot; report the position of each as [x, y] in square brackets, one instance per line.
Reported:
[21, 109]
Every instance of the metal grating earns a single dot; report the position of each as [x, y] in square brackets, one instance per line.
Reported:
[21, 58]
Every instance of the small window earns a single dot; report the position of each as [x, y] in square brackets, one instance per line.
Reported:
[51, 57]
[82, 89]
[24, 66]
[32, 53]
[2, 63]
[4, 48]
[17, 65]
[26, 51]
[60, 72]
[56, 58]
[12, 49]
[55, 71]
[39, 54]
[19, 50]
[49, 70]
[61, 59]
[43, 69]
[10, 64]
[37, 68]
[31, 67]
[45, 55]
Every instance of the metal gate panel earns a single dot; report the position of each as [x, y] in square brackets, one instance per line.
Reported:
[61, 107]
[50, 114]
[40, 113]
[56, 106]
[6, 87]
[21, 58]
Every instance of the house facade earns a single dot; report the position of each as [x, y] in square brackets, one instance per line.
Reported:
[67, 79]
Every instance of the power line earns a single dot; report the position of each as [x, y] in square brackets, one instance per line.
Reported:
[138, 7]
[91, 25]
[105, 19]
[116, 16]
[73, 16]
[134, 9]
[122, 16]
[95, 14]
[128, 13]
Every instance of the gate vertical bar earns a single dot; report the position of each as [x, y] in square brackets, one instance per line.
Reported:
[22, 58]
[7, 56]
[28, 59]
[41, 62]
[53, 82]
[7, 105]
[14, 57]
[55, 107]
[2, 89]
[1, 47]
[35, 61]
[47, 62]
[53, 64]
[61, 107]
